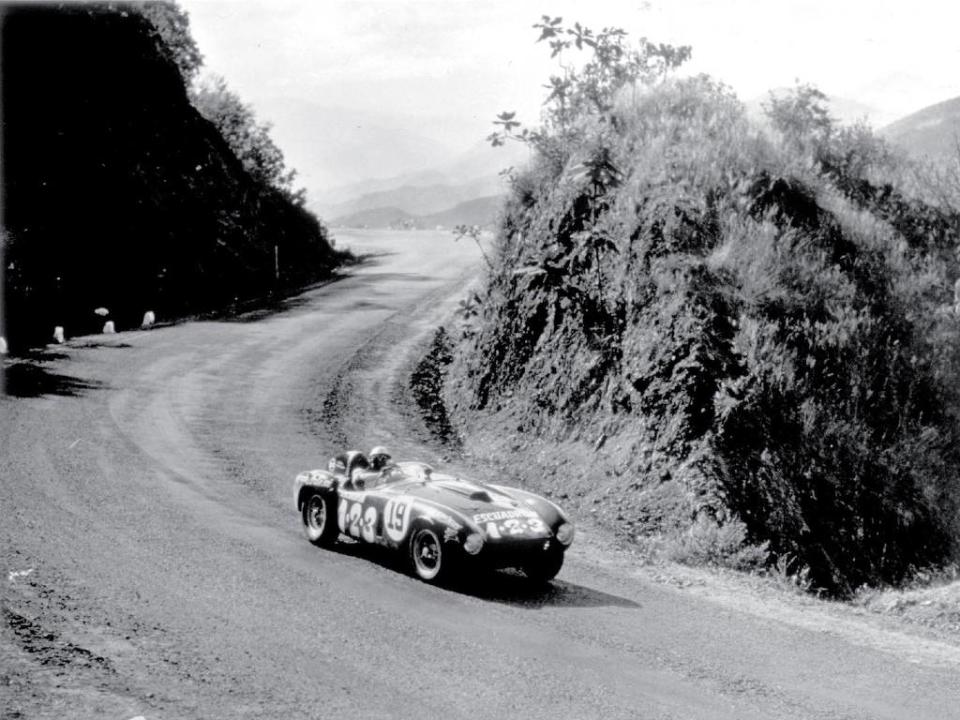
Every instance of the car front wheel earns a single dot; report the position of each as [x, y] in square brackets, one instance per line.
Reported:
[427, 557]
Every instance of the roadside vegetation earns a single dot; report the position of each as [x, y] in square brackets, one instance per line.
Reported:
[132, 184]
[735, 344]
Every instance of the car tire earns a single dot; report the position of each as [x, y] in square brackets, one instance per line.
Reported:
[320, 519]
[428, 559]
[545, 568]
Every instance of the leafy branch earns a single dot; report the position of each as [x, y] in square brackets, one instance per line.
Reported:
[590, 90]
[473, 232]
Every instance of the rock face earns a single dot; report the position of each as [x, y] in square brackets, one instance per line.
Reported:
[117, 192]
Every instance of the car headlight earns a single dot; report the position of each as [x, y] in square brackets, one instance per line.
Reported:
[564, 534]
[474, 543]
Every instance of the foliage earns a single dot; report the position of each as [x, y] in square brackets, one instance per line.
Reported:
[590, 90]
[473, 232]
[249, 140]
[127, 200]
[708, 542]
[764, 325]
[172, 26]
[790, 574]
[801, 116]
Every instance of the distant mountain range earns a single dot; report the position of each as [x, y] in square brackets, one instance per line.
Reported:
[932, 133]
[478, 211]
[465, 190]
[418, 199]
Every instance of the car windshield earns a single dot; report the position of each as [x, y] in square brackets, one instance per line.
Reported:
[407, 471]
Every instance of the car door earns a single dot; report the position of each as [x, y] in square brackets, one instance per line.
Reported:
[360, 515]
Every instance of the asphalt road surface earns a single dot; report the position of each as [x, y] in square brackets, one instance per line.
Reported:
[153, 564]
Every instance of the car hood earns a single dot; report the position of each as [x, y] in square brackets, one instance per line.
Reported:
[468, 498]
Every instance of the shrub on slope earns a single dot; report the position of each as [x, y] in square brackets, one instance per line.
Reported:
[765, 338]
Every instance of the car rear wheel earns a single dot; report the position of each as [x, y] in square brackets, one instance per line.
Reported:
[545, 568]
[320, 520]
[427, 558]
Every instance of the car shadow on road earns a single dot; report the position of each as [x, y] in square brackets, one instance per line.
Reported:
[510, 588]
[506, 587]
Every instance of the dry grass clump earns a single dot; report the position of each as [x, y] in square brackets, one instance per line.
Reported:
[931, 598]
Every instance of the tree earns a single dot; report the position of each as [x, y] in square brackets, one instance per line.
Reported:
[249, 140]
[172, 27]
[802, 117]
[590, 90]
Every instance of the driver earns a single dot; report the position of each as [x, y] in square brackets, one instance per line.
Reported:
[379, 466]
[379, 458]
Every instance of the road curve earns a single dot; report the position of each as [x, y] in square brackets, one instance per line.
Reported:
[153, 564]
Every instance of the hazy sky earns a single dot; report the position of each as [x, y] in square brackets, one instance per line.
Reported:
[441, 69]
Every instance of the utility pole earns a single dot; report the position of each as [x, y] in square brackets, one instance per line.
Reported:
[276, 263]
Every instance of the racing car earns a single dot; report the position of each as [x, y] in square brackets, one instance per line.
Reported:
[438, 524]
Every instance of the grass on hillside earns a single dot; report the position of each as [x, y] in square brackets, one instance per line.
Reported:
[761, 326]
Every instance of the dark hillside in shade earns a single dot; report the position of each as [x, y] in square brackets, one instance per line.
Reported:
[118, 193]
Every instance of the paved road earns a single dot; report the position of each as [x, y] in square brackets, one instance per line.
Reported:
[153, 565]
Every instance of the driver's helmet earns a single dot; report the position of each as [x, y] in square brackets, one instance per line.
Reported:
[379, 457]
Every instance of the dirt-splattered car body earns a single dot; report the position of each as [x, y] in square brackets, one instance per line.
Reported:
[437, 522]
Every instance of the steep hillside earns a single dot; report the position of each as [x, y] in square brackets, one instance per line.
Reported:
[932, 133]
[736, 349]
[117, 193]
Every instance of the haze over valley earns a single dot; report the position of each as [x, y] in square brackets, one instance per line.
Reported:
[387, 98]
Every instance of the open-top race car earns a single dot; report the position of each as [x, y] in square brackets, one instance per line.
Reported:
[438, 523]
